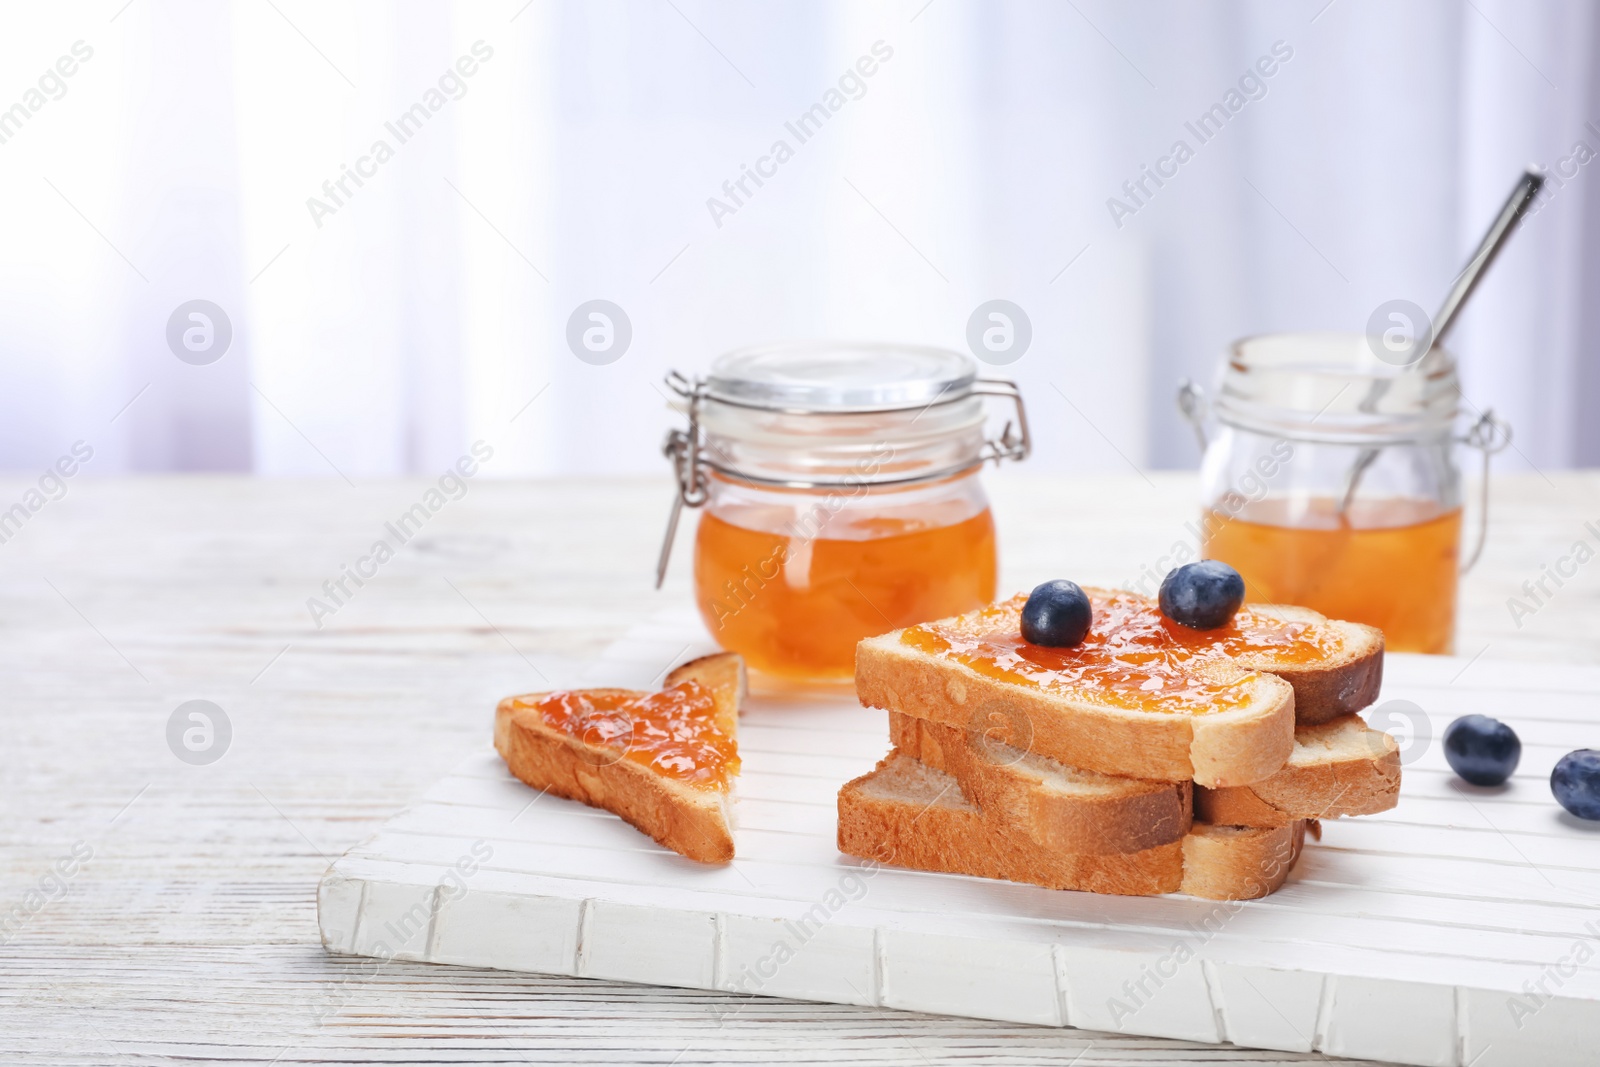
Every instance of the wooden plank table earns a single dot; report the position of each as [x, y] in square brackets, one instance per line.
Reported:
[153, 911]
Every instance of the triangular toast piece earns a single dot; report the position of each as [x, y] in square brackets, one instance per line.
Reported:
[908, 814]
[1062, 808]
[1337, 768]
[663, 761]
[1141, 697]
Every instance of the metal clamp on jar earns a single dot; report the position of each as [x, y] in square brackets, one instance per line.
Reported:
[842, 496]
[1331, 481]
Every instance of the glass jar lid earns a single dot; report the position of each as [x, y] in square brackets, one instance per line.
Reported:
[1332, 387]
[834, 417]
[816, 413]
[849, 377]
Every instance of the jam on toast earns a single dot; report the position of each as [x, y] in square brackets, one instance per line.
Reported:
[1142, 696]
[663, 761]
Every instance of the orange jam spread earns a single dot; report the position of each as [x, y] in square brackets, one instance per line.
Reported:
[1390, 563]
[1133, 656]
[673, 732]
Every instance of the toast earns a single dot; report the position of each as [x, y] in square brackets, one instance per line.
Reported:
[911, 815]
[604, 747]
[1141, 697]
[1061, 808]
[941, 672]
[1240, 862]
[1346, 682]
[1338, 768]
[908, 814]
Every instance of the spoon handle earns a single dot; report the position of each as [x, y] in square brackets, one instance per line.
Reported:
[1500, 231]
[1505, 223]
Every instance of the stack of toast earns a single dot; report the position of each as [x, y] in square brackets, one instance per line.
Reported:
[1150, 759]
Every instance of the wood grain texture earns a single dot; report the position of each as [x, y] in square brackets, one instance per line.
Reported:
[191, 932]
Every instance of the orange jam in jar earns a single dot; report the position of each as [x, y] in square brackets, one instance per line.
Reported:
[1330, 480]
[1389, 563]
[793, 593]
[841, 495]
[673, 732]
[1132, 657]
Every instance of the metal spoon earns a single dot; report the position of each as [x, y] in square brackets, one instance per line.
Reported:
[1516, 206]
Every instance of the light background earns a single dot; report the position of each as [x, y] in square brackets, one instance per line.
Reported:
[432, 306]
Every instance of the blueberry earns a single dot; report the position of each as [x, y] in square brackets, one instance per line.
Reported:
[1576, 783]
[1057, 614]
[1482, 750]
[1203, 595]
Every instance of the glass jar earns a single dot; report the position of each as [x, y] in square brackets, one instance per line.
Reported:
[1330, 481]
[841, 494]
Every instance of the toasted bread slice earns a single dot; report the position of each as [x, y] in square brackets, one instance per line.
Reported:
[1062, 808]
[1142, 697]
[594, 759]
[907, 814]
[1338, 768]
[1344, 682]
[1240, 862]
[1238, 728]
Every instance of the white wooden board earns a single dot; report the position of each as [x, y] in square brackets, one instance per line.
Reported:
[1461, 928]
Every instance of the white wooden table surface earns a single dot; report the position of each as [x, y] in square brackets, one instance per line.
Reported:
[190, 932]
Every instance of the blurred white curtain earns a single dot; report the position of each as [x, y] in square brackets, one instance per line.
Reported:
[428, 308]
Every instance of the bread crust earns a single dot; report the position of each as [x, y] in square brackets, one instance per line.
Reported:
[723, 673]
[952, 836]
[1240, 863]
[1326, 691]
[1238, 806]
[1338, 768]
[1109, 815]
[1234, 747]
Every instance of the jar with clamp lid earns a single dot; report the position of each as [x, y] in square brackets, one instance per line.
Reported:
[841, 496]
[1330, 480]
